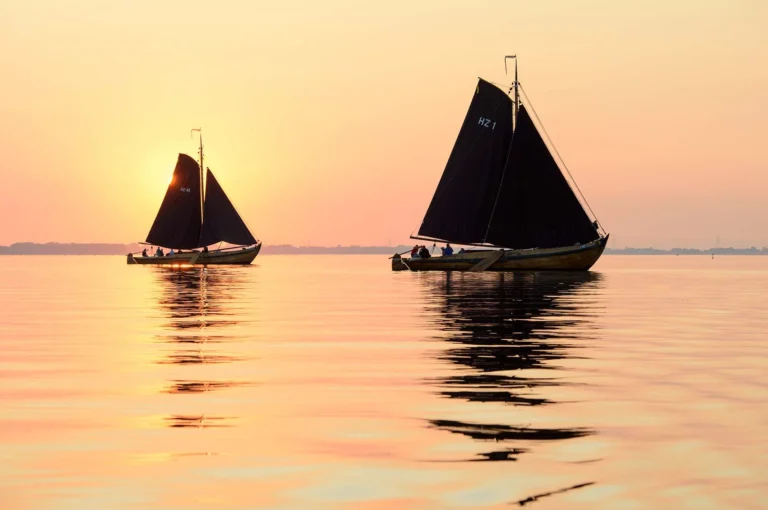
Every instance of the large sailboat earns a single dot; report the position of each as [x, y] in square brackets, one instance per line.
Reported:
[503, 193]
[190, 219]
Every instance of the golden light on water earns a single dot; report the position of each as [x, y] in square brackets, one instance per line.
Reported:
[279, 375]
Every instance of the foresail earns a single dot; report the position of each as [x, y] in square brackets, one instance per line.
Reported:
[177, 224]
[461, 206]
[221, 222]
[536, 208]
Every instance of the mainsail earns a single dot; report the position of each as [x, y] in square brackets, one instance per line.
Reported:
[184, 221]
[501, 188]
[177, 224]
[536, 207]
[461, 207]
[221, 222]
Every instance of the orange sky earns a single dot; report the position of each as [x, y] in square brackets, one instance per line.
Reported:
[330, 122]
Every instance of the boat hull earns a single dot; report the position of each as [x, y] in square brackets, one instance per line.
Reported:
[242, 256]
[571, 258]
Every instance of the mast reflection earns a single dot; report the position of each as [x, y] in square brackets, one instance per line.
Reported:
[506, 329]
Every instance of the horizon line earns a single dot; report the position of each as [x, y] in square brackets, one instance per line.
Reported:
[384, 245]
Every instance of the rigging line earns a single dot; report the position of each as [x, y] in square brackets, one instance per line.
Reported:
[503, 86]
[530, 104]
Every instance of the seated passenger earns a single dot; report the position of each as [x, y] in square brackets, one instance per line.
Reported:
[424, 252]
[447, 250]
[415, 250]
[159, 252]
[170, 253]
[144, 252]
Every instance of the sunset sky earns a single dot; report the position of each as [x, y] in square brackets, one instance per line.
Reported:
[330, 122]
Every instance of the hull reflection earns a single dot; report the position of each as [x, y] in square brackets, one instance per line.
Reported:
[504, 331]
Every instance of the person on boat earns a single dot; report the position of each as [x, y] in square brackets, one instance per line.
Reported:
[205, 249]
[415, 250]
[144, 252]
[424, 252]
[461, 250]
[159, 252]
[447, 251]
[170, 253]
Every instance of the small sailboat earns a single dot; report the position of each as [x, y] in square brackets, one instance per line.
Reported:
[190, 219]
[503, 192]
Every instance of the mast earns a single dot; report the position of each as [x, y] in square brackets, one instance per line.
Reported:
[517, 96]
[515, 86]
[202, 182]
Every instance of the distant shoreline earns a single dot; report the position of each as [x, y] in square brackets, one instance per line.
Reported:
[287, 249]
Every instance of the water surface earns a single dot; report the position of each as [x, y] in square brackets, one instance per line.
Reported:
[331, 382]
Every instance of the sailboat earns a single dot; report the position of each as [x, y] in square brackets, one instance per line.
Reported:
[503, 193]
[190, 219]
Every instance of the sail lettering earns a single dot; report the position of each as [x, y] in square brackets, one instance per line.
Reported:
[486, 123]
[186, 190]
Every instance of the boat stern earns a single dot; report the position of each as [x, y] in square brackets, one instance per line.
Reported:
[398, 264]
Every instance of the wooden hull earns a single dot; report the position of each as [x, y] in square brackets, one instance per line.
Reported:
[198, 258]
[570, 258]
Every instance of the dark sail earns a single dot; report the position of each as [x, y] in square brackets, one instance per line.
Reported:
[536, 207]
[461, 207]
[220, 219]
[178, 221]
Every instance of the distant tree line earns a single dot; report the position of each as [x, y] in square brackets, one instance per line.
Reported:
[288, 249]
[688, 251]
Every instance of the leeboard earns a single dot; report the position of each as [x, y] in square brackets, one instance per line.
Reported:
[488, 261]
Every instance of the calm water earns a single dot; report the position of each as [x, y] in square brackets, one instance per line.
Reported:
[331, 382]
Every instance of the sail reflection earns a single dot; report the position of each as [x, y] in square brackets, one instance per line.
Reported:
[506, 329]
[200, 305]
